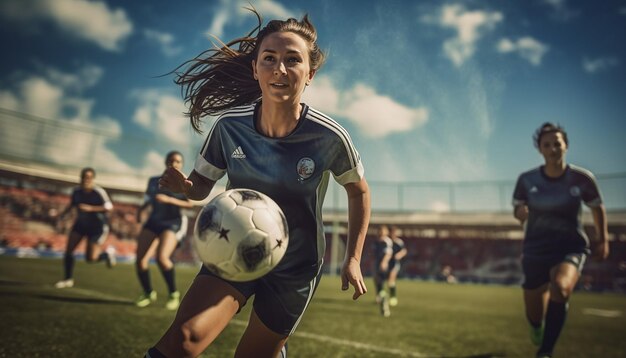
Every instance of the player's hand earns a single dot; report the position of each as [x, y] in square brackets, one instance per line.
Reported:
[175, 181]
[351, 275]
[85, 207]
[521, 213]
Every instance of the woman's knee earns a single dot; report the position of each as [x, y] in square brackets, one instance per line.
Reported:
[142, 264]
[561, 289]
[164, 261]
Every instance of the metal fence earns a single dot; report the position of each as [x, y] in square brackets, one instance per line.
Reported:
[65, 146]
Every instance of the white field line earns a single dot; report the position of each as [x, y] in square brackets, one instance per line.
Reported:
[602, 313]
[313, 336]
[345, 342]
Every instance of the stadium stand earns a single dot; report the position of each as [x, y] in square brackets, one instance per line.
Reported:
[479, 247]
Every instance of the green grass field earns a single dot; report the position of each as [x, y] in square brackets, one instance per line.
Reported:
[96, 318]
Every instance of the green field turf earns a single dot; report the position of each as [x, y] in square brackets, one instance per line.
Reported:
[96, 318]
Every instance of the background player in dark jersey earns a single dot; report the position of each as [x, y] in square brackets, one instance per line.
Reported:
[383, 251]
[161, 234]
[91, 203]
[395, 263]
[283, 148]
[548, 200]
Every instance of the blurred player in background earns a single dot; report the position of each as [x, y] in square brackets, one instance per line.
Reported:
[399, 251]
[383, 252]
[161, 234]
[91, 203]
[548, 201]
[266, 139]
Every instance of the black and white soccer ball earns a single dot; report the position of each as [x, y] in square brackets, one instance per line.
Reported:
[241, 235]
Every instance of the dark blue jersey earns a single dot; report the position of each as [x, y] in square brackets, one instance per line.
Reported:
[162, 211]
[293, 170]
[381, 249]
[554, 224]
[398, 245]
[95, 197]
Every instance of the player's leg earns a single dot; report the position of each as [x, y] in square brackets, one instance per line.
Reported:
[564, 277]
[391, 284]
[379, 284]
[536, 287]
[208, 306]
[146, 247]
[281, 299]
[259, 341]
[535, 303]
[94, 253]
[73, 240]
[165, 249]
[384, 296]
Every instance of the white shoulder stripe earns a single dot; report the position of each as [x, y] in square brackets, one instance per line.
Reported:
[331, 124]
[105, 197]
[234, 112]
[583, 172]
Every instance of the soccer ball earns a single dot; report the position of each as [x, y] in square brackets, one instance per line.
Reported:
[241, 235]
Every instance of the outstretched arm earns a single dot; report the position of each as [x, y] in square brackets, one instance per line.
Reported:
[166, 199]
[358, 221]
[195, 187]
[601, 249]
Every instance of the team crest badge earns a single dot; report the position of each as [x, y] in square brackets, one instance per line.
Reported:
[305, 168]
[574, 191]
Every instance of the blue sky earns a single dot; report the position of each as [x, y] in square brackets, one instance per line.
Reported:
[429, 90]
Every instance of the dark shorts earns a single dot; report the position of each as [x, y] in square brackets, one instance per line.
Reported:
[379, 274]
[95, 233]
[280, 299]
[177, 226]
[537, 271]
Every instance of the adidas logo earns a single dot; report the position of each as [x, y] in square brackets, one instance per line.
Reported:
[238, 153]
[533, 189]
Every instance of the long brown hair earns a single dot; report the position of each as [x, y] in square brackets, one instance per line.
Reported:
[221, 77]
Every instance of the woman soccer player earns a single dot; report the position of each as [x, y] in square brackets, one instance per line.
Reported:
[162, 232]
[383, 251]
[399, 252]
[265, 139]
[548, 200]
[91, 203]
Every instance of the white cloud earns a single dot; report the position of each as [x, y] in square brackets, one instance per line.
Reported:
[85, 77]
[526, 47]
[469, 26]
[234, 12]
[64, 133]
[162, 114]
[268, 9]
[164, 40]
[374, 114]
[92, 21]
[599, 64]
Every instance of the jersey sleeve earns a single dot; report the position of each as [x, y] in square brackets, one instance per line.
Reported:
[106, 201]
[590, 192]
[346, 165]
[388, 247]
[519, 193]
[210, 162]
